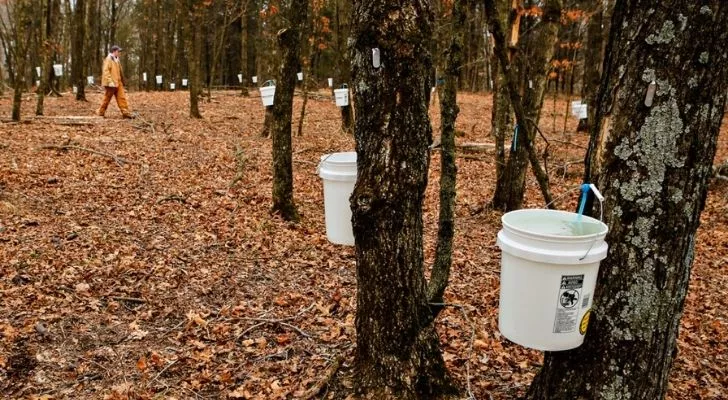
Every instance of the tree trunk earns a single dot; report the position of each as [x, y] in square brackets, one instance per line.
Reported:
[77, 59]
[597, 31]
[251, 38]
[195, 59]
[289, 40]
[448, 169]
[651, 159]
[536, 52]
[17, 99]
[397, 353]
[342, 74]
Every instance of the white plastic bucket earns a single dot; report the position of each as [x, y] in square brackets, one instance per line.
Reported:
[331, 82]
[338, 171]
[184, 82]
[90, 80]
[240, 78]
[255, 79]
[172, 86]
[159, 79]
[342, 97]
[300, 76]
[144, 76]
[58, 69]
[549, 266]
[37, 71]
[267, 95]
[582, 114]
[75, 89]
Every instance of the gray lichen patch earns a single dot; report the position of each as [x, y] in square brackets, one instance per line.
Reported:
[665, 35]
[683, 21]
[655, 150]
[705, 10]
[648, 75]
[704, 57]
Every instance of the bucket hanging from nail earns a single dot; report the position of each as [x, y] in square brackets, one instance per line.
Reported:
[342, 96]
[267, 93]
[549, 265]
[338, 172]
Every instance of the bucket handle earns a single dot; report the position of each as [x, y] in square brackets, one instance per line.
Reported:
[590, 186]
[323, 160]
[269, 82]
[585, 188]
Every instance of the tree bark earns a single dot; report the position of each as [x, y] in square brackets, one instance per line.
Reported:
[77, 58]
[448, 169]
[289, 40]
[597, 32]
[536, 52]
[397, 353]
[652, 163]
[251, 39]
[195, 42]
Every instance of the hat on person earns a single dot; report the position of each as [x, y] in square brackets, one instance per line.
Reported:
[115, 48]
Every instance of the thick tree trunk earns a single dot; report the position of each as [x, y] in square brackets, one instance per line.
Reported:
[536, 52]
[289, 40]
[77, 59]
[448, 169]
[397, 352]
[651, 158]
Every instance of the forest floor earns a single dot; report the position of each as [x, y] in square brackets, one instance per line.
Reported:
[137, 271]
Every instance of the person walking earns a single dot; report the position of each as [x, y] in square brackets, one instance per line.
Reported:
[112, 79]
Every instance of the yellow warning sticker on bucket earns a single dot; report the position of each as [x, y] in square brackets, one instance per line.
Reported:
[584, 322]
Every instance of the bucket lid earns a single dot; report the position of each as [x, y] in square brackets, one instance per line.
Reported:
[338, 166]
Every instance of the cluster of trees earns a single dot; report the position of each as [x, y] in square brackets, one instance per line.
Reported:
[650, 153]
[238, 39]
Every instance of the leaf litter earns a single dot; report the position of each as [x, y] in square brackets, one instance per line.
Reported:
[138, 258]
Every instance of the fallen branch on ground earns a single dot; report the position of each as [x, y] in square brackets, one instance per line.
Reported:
[172, 197]
[119, 160]
[328, 376]
[281, 322]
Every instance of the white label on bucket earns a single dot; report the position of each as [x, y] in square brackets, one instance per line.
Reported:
[567, 306]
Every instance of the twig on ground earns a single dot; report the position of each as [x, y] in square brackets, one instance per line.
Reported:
[280, 321]
[130, 300]
[172, 197]
[142, 124]
[305, 162]
[164, 370]
[119, 160]
[328, 376]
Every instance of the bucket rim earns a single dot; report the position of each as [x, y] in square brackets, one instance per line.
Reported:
[593, 236]
[333, 158]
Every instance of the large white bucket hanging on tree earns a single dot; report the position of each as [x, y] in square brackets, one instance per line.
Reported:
[549, 266]
[338, 171]
[267, 93]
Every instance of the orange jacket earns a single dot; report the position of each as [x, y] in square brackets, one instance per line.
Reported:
[112, 74]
